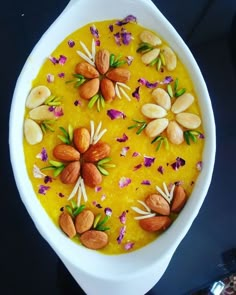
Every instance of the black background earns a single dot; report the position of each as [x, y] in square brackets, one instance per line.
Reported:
[27, 264]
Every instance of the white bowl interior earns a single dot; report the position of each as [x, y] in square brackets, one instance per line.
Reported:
[135, 264]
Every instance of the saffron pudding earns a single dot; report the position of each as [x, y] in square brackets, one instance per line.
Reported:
[120, 135]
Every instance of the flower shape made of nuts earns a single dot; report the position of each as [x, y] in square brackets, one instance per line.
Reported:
[101, 76]
[157, 112]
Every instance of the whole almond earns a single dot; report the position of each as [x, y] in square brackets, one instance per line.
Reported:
[156, 127]
[42, 113]
[158, 204]
[148, 57]
[66, 153]
[188, 120]
[119, 75]
[81, 138]
[175, 133]
[107, 89]
[67, 225]
[182, 103]
[84, 221]
[94, 239]
[85, 69]
[91, 175]
[97, 152]
[89, 88]
[179, 199]
[149, 37]
[162, 98]
[153, 111]
[102, 61]
[170, 58]
[155, 223]
[70, 173]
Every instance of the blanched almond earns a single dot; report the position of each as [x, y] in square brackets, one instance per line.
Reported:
[89, 88]
[102, 61]
[158, 204]
[67, 225]
[91, 175]
[175, 133]
[107, 89]
[32, 131]
[156, 127]
[41, 113]
[37, 96]
[179, 199]
[81, 138]
[170, 58]
[155, 223]
[94, 239]
[148, 57]
[84, 221]
[188, 120]
[149, 37]
[182, 103]
[85, 69]
[119, 75]
[153, 111]
[70, 173]
[65, 152]
[162, 98]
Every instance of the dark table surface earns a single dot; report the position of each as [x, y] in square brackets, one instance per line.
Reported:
[27, 264]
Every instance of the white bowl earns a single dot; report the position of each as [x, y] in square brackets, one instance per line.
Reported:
[138, 271]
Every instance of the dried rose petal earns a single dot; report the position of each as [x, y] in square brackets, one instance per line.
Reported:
[42, 155]
[199, 165]
[121, 235]
[111, 28]
[126, 20]
[201, 136]
[122, 217]
[126, 37]
[97, 42]
[167, 80]
[98, 189]
[115, 114]
[43, 189]
[61, 195]
[124, 181]
[136, 94]
[135, 154]
[179, 162]
[71, 43]
[148, 161]
[53, 60]
[50, 78]
[124, 138]
[146, 83]
[61, 75]
[124, 151]
[146, 182]
[47, 179]
[117, 38]
[58, 111]
[62, 59]
[94, 31]
[108, 211]
[160, 169]
[77, 102]
[137, 167]
[129, 246]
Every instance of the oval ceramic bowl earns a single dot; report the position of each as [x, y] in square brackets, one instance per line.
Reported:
[138, 271]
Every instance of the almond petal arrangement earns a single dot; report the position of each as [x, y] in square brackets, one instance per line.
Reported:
[101, 106]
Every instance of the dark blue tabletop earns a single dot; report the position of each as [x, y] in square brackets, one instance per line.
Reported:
[28, 265]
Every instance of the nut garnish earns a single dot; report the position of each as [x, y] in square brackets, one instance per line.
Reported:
[67, 225]
[32, 131]
[37, 96]
[84, 221]
[94, 239]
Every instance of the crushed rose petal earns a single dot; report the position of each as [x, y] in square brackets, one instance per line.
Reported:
[201, 136]
[146, 182]
[124, 138]
[124, 181]
[126, 37]
[199, 165]
[121, 235]
[77, 102]
[124, 151]
[94, 31]
[115, 114]
[97, 42]
[98, 189]
[135, 154]
[62, 59]
[160, 169]
[103, 197]
[146, 83]
[111, 28]
[167, 80]
[37, 172]
[126, 20]
[122, 217]
[58, 111]
[129, 246]
[178, 163]
[61, 75]
[71, 43]
[50, 78]
[61, 195]
[47, 179]
[53, 60]
[136, 94]
[42, 155]
[129, 59]
[43, 189]
[108, 211]
[148, 161]
[137, 167]
[117, 38]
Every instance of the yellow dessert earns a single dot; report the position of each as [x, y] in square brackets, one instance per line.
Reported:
[117, 89]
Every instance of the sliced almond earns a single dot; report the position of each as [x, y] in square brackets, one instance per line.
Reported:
[32, 131]
[89, 88]
[188, 120]
[153, 111]
[158, 204]
[84, 221]
[170, 58]
[179, 199]
[42, 113]
[85, 69]
[155, 223]
[149, 37]
[67, 225]
[148, 57]
[162, 98]
[175, 133]
[37, 96]
[182, 103]
[156, 127]
[94, 239]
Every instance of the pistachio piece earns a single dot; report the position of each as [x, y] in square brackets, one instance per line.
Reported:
[150, 56]
[41, 113]
[189, 121]
[175, 133]
[37, 96]
[182, 103]
[153, 111]
[32, 131]
[162, 98]
[170, 58]
[149, 37]
[156, 127]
